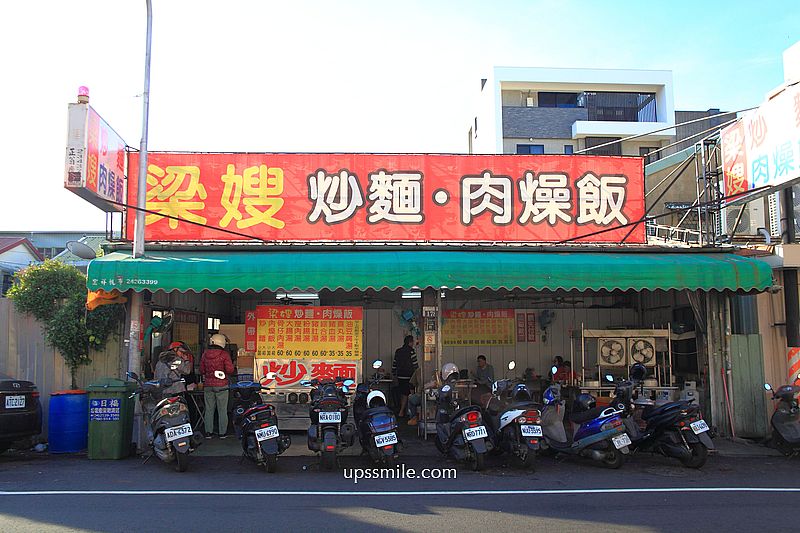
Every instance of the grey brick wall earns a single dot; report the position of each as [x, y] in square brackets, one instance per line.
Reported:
[541, 122]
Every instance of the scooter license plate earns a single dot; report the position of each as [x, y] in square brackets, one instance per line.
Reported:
[267, 433]
[531, 431]
[386, 439]
[699, 427]
[478, 432]
[330, 417]
[620, 441]
[178, 432]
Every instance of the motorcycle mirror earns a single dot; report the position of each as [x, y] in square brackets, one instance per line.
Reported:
[271, 375]
[554, 369]
[609, 378]
[345, 390]
[512, 365]
[767, 386]
[305, 383]
[377, 363]
[133, 375]
[348, 383]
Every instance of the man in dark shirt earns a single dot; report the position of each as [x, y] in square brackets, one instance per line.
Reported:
[403, 367]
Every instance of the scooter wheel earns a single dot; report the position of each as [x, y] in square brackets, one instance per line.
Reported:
[439, 445]
[613, 459]
[328, 460]
[781, 445]
[271, 464]
[698, 457]
[477, 462]
[528, 463]
[181, 462]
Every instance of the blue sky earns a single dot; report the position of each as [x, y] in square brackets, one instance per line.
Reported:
[336, 76]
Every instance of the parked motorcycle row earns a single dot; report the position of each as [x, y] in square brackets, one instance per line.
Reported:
[514, 424]
[510, 423]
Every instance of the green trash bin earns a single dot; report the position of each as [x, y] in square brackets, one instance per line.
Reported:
[110, 418]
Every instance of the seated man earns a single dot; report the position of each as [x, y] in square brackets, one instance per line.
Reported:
[484, 377]
[565, 373]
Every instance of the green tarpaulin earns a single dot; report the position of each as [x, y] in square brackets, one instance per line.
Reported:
[495, 269]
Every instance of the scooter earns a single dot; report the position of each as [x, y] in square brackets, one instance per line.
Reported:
[516, 420]
[675, 429]
[786, 418]
[596, 432]
[169, 430]
[256, 426]
[329, 432]
[460, 431]
[376, 423]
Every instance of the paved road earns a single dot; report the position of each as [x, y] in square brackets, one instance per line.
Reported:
[559, 496]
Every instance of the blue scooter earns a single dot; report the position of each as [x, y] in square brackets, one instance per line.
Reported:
[597, 433]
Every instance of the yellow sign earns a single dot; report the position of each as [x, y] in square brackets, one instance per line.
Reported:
[308, 332]
[482, 327]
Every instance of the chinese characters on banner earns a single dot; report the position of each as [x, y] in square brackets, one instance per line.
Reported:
[479, 327]
[95, 161]
[763, 148]
[365, 197]
[306, 342]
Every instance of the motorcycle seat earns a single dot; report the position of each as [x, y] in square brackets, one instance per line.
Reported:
[653, 410]
[256, 409]
[585, 416]
[382, 409]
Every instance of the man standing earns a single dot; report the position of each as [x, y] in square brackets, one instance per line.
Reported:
[403, 367]
[215, 367]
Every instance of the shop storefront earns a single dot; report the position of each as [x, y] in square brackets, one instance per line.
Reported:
[600, 310]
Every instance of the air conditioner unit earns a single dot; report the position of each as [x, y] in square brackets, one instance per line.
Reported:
[642, 350]
[753, 217]
[611, 351]
[529, 101]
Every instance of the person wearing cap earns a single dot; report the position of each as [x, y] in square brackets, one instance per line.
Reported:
[215, 367]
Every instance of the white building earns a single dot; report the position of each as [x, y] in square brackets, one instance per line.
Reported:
[523, 110]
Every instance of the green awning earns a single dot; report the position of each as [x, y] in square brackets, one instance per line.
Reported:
[494, 269]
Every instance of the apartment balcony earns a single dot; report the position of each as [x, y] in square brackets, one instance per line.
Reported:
[541, 122]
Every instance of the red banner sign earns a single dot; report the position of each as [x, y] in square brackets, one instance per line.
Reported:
[365, 197]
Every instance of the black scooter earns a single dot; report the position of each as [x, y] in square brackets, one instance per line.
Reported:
[256, 426]
[675, 429]
[786, 418]
[376, 423]
[460, 431]
[516, 421]
[329, 432]
[169, 429]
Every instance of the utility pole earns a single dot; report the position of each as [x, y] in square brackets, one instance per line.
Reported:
[137, 299]
[791, 298]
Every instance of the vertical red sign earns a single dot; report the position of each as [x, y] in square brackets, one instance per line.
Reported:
[521, 327]
[250, 331]
[531, 327]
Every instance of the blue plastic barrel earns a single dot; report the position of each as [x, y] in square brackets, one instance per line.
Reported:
[68, 424]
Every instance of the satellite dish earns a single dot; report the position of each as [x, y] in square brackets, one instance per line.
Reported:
[81, 250]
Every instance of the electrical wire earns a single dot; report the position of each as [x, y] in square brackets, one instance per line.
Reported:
[638, 135]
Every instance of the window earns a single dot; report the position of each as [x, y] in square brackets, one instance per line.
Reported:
[528, 149]
[558, 99]
[213, 324]
[645, 150]
[568, 149]
[612, 149]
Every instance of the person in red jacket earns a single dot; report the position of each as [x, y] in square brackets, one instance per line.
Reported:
[215, 367]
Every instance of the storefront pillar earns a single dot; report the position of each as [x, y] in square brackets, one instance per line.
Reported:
[719, 364]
